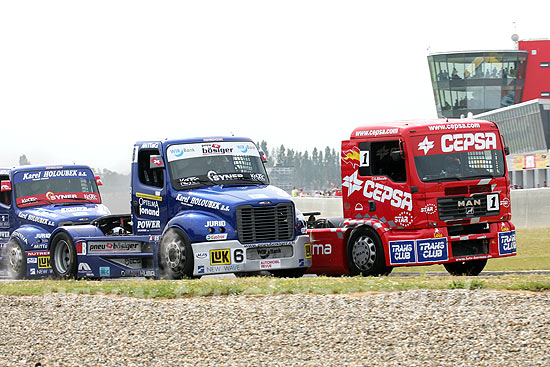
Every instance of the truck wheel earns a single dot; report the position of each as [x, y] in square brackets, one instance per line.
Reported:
[366, 254]
[472, 267]
[16, 260]
[63, 256]
[175, 255]
[289, 273]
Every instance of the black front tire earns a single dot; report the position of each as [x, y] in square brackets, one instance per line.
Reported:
[175, 255]
[366, 254]
[63, 258]
[461, 268]
[16, 260]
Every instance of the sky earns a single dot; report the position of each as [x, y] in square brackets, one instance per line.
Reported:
[81, 81]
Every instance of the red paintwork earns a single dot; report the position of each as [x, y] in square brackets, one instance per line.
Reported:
[400, 214]
[537, 79]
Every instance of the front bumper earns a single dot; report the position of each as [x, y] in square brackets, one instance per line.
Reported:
[232, 257]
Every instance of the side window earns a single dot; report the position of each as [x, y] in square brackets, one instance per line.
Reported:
[384, 163]
[5, 197]
[149, 176]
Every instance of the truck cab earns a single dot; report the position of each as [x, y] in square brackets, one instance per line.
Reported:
[418, 193]
[36, 200]
[201, 206]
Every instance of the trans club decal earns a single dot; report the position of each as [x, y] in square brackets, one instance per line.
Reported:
[419, 251]
[507, 243]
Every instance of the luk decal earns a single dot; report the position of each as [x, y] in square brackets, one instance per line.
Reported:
[403, 219]
[147, 225]
[429, 209]
[351, 156]
[402, 252]
[105, 247]
[220, 257]
[507, 243]
[44, 262]
[149, 207]
[432, 250]
[216, 237]
[205, 203]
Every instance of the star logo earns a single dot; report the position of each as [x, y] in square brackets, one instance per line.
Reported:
[352, 183]
[425, 145]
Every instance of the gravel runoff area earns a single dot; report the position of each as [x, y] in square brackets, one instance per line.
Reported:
[412, 328]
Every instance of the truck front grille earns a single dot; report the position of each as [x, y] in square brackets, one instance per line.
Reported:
[458, 207]
[261, 224]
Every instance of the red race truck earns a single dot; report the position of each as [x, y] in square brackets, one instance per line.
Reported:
[418, 193]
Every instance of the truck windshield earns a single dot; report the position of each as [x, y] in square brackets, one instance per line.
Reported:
[460, 166]
[55, 186]
[220, 163]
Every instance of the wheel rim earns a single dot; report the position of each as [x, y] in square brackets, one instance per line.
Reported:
[15, 258]
[174, 256]
[62, 256]
[363, 253]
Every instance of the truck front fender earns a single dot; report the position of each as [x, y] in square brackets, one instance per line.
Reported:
[76, 232]
[31, 237]
[200, 226]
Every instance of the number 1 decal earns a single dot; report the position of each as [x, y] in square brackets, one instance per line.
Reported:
[493, 202]
[364, 162]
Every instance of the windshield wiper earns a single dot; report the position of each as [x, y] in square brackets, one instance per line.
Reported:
[449, 178]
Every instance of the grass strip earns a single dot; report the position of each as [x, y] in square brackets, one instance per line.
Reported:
[169, 289]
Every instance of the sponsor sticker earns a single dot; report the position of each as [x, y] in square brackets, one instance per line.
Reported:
[220, 257]
[44, 262]
[149, 196]
[216, 237]
[507, 243]
[111, 247]
[402, 252]
[4, 221]
[432, 249]
[307, 247]
[104, 271]
[270, 264]
[32, 260]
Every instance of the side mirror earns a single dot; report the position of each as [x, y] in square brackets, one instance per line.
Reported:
[397, 155]
[506, 151]
[155, 161]
[98, 180]
[263, 156]
[5, 185]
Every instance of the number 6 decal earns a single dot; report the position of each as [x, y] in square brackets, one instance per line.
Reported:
[493, 202]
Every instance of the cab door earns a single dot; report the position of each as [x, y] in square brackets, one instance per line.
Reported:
[148, 190]
[377, 182]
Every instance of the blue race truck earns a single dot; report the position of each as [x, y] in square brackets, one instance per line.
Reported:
[34, 201]
[198, 206]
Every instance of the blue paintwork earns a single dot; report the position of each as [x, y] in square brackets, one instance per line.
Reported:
[190, 210]
[32, 226]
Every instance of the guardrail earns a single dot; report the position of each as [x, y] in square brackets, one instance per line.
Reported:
[530, 207]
